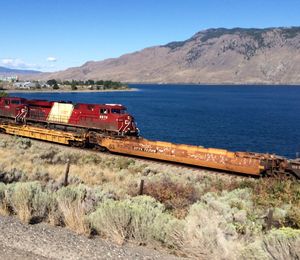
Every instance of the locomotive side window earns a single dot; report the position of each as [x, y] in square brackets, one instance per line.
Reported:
[15, 102]
[6, 102]
[118, 111]
[115, 111]
[103, 111]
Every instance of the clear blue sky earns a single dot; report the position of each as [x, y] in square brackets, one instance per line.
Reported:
[55, 34]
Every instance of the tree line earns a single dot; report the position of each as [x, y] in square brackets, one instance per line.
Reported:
[99, 84]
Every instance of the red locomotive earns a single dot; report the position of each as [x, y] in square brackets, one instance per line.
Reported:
[111, 119]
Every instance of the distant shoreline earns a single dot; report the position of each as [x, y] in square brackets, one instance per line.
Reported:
[217, 84]
[69, 91]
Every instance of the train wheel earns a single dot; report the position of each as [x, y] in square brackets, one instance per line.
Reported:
[100, 148]
[77, 144]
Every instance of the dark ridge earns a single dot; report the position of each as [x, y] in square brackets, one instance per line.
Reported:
[255, 33]
[218, 32]
[176, 44]
[290, 32]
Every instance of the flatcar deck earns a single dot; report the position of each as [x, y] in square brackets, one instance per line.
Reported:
[254, 164]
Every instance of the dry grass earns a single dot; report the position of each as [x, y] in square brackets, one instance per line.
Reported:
[4, 204]
[75, 216]
[70, 204]
[192, 212]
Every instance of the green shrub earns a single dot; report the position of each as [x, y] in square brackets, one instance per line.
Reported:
[70, 203]
[214, 225]
[112, 220]
[3, 144]
[123, 163]
[276, 192]
[293, 216]
[146, 215]
[71, 193]
[140, 219]
[53, 155]
[2, 191]
[253, 251]
[207, 234]
[281, 243]
[29, 201]
[13, 175]
[90, 159]
[55, 216]
[3, 94]
[23, 143]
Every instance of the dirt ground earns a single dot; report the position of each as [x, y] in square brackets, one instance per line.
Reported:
[42, 241]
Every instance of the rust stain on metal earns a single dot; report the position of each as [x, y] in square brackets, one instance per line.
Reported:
[188, 154]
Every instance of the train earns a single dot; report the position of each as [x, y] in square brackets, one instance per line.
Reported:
[108, 127]
[108, 119]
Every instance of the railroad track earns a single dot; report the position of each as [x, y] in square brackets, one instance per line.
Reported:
[192, 157]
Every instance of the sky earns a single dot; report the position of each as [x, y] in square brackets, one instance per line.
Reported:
[51, 35]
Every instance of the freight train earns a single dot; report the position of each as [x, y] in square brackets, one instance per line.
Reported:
[110, 128]
[108, 119]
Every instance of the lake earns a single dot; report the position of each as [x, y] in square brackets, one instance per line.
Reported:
[238, 118]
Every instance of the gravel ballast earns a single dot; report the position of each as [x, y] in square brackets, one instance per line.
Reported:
[42, 241]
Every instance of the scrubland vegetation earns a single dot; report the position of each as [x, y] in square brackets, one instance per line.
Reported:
[192, 213]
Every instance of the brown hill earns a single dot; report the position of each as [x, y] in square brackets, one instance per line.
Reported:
[269, 56]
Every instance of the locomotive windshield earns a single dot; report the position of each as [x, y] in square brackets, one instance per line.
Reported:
[16, 102]
[118, 111]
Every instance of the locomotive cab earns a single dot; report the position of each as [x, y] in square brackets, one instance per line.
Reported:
[10, 106]
[125, 122]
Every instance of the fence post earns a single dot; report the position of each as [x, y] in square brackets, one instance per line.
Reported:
[67, 173]
[141, 192]
[269, 219]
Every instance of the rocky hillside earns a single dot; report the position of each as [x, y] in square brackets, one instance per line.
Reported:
[269, 56]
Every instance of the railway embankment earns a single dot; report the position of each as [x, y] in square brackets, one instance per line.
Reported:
[188, 212]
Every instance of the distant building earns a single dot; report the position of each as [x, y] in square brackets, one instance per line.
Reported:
[30, 85]
[9, 78]
[25, 85]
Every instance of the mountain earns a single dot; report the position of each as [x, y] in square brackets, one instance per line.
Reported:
[7, 72]
[238, 55]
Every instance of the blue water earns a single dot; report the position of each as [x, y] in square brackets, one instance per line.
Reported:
[237, 118]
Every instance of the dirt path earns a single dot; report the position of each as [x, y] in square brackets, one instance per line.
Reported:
[41, 241]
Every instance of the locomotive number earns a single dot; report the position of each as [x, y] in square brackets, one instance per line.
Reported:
[103, 117]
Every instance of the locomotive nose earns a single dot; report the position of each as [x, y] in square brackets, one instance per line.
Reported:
[132, 128]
